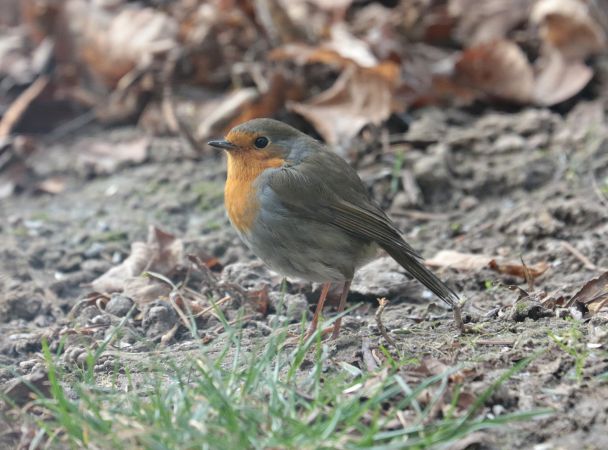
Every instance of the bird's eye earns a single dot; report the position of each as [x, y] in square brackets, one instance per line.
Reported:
[261, 142]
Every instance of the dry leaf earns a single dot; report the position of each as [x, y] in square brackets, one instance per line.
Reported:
[497, 69]
[559, 79]
[162, 253]
[105, 158]
[519, 270]
[568, 26]
[472, 262]
[357, 98]
[145, 289]
[112, 45]
[277, 22]
[594, 294]
[218, 113]
[487, 21]
[459, 261]
[350, 47]
[280, 90]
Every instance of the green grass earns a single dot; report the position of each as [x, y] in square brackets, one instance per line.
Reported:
[272, 397]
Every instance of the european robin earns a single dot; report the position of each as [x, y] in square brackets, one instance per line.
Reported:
[306, 213]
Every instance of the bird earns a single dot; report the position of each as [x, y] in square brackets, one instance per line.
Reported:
[305, 212]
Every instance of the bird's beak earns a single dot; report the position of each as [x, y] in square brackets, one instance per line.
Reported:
[225, 145]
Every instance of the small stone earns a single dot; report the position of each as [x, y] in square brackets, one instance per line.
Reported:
[252, 275]
[468, 203]
[95, 250]
[119, 305]
[21, 303]
[116, 258]
[159, 318]
[87, 314]
[277, 320]
[28, 364]
[428, 128]
[381, 278]
[509, 142]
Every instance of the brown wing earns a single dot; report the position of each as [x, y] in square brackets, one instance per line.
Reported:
[339, 197]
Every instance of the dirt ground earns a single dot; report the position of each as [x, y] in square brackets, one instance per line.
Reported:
[508, 184]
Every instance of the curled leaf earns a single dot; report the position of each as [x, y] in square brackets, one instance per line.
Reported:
[593, 294]
[498, 69]
[357, 98]
[568, 26]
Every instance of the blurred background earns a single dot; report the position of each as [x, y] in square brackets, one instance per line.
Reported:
[335, 68]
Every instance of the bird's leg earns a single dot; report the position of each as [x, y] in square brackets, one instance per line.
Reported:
[315, 319]
[338, 322]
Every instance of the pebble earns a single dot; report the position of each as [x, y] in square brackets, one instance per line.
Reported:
[159, 317]
[119, 305]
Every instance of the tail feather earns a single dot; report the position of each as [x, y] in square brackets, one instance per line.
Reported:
[418, 270]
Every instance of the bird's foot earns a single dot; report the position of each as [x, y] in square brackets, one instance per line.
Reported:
[457, 312]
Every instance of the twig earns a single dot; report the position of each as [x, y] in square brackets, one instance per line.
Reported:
[234, 322]
[501, 342]
[368, 357]
[165, 338]
[457, 313]
[424, 215]
[383, 302]
[178, 310]
[218, 303]
[582, 258]
[15, 112]
[527, 275]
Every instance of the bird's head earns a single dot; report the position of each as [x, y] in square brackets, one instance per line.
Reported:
[265, 141]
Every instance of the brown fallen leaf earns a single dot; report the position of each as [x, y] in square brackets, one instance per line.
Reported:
[279, 91]
[569, 27]
[519, 270]
[259, 299]
[161, 253]
[359, 97]
[217, 114]
[473, 262]
[459, 261]
[479, 22]
[111, 45]
[497, 69]
[104, 158]
[277, 23]
[559, 79]
[340, 50]
[593, 294]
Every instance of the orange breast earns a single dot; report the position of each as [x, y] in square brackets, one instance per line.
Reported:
[239, 195]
